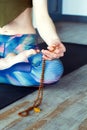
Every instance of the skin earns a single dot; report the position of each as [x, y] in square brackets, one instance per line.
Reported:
[12, 58]
[44, 26]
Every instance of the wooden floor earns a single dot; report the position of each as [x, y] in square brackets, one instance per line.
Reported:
[64, 107]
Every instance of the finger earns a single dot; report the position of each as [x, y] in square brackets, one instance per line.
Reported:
[46, 58]
[52, 55]
[51, 48]
[60, 55]
[59, 51]
[48, 54]
[62, 47]
[57, 48]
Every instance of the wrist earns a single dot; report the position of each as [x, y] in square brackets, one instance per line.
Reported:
[55, 42]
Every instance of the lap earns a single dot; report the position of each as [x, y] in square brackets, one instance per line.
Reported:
[30, 73]
[27, 73]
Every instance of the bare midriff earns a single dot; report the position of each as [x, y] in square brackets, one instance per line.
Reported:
[22, 24]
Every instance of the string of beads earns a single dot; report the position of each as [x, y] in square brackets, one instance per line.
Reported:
[39, 98]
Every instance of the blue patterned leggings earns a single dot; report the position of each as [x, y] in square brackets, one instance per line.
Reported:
[26, 73]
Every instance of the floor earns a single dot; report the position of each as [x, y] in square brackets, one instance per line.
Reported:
[64, 106]
[72, 32]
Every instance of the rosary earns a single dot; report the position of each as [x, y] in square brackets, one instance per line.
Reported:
[39, 98]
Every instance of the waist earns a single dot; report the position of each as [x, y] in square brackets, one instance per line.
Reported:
[16, 29]
[22, 24]
[10, 9]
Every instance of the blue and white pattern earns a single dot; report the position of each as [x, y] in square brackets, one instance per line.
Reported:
[27, 73]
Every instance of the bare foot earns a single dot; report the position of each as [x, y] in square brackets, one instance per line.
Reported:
[12, 58]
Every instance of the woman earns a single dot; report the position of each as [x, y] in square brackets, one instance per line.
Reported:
[20, 58]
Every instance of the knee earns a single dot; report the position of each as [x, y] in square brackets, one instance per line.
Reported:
[54, 71]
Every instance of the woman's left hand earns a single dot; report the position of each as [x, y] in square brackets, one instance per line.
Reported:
[54, 51]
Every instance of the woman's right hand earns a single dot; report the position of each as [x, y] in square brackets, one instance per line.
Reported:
[54, 51]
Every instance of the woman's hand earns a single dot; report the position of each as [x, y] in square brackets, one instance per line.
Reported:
[54, 51]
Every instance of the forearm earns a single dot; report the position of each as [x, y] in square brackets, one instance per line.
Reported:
[44, 23]
[47, 31]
